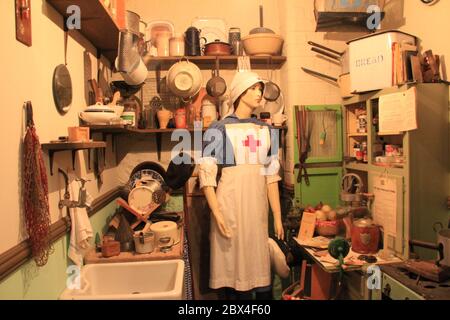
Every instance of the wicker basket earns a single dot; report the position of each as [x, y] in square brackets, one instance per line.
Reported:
[328, 228]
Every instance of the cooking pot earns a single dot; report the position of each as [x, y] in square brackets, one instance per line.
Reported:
[365, 236]
[217, 48]
[98, 114]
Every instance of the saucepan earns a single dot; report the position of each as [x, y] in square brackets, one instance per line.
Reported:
[343, 82]
[341, 57]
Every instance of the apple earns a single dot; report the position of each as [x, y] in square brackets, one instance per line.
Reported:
[319, 206]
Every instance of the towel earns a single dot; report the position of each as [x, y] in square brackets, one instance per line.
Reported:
[81, 231]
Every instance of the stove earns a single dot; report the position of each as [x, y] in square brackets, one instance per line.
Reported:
[400, 283]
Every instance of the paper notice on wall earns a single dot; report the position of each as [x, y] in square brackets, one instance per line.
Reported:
[398, 111]
[385, 204]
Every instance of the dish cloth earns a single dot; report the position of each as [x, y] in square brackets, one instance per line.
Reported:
[81, 230]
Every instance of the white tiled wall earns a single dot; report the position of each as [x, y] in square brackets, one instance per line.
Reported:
[297, 24]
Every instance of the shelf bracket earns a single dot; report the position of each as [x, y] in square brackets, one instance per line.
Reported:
[89, 159]
[50, 157]
[158, 144]
[73, 159]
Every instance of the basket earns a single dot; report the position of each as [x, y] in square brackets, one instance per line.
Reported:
[328, 228]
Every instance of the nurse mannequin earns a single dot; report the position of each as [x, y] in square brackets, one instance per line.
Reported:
[239, 229]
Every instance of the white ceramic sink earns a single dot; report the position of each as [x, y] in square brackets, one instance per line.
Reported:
[149, 280]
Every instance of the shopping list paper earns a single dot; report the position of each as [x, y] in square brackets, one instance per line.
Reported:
[398, 111]
[385, 204]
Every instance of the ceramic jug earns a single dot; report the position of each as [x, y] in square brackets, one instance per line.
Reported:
[164, 117]
[225, 108]
[209, 112]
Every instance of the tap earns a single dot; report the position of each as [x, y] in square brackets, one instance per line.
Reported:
[82, 201]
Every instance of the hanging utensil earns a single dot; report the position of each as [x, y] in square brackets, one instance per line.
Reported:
[35, 193]
[271, 89]
[216, 86]
[343, 82]
[342, 57]
[261, 28]
[303, 142]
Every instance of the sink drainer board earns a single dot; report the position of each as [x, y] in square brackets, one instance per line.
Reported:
[147, 280]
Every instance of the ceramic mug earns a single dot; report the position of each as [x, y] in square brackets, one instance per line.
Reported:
[164, 117]
[279, 119]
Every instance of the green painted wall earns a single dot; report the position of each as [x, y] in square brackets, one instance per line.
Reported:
[32, 283]
[47, 283]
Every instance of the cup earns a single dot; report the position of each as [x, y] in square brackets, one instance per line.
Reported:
[279, 119]
[237, 48]
[164, 117]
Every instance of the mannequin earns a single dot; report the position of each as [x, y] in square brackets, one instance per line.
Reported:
[241, 147]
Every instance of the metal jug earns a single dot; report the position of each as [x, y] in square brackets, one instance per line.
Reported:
[192, 42]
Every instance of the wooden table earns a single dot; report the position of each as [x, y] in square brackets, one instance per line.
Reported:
[324, 271]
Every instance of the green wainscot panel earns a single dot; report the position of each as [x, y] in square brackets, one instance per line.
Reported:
[325, 186]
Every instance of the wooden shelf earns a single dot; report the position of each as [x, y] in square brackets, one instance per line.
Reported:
[121, 129]
[225, 62]
[357, 134]
[390, 133]
[124, 129]
[51, 148]
[97, 25]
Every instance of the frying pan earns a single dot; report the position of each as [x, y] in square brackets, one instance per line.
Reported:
[341, 57]
[343, 82]
[216, 86]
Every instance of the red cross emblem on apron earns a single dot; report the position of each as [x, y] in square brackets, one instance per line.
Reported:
[251, 143]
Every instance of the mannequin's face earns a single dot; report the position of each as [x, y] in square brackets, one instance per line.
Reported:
[253, 96]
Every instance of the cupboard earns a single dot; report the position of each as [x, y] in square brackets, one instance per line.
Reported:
[421, 178]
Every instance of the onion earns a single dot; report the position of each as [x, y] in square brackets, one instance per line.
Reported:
[321, 216]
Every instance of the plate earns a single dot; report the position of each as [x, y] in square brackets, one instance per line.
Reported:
[213, 34]
[211, 28]
[145, 174]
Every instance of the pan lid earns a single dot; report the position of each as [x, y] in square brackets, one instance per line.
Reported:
[381, 32]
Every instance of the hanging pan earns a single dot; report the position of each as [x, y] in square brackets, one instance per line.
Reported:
[343, 82]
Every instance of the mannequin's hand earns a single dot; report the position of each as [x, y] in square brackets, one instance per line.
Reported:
[221, 225]
[279, 231]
